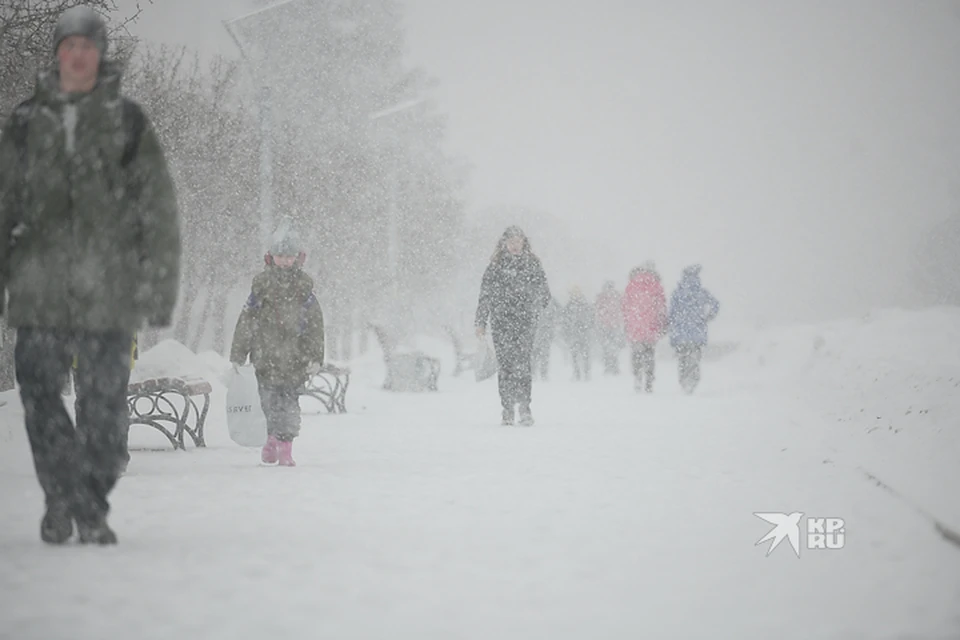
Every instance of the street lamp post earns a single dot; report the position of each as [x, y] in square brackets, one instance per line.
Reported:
[265, 108]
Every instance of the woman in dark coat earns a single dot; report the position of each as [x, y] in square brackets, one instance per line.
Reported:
[513, 292]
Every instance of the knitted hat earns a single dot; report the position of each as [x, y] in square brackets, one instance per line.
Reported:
[285, 242]
[81, 21]
[514, 232]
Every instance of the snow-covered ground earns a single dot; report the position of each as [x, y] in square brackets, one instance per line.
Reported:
[617, 516]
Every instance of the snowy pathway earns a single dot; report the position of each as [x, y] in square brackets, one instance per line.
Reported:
[617, 516]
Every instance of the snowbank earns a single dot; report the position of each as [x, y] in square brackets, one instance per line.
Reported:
[169, 358]
[882, 393]
[893, 366]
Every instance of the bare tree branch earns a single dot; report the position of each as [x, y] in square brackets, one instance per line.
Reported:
[26, 40]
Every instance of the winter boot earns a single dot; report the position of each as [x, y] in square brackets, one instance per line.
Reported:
[57, 525]
[96, 532]
[285, 453]
[269, 453]
[507, 417]
[526, 417]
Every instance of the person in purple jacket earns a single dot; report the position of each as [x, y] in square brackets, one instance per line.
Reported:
[691, 308]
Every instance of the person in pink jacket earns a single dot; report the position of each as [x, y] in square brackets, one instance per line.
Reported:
[645, 322]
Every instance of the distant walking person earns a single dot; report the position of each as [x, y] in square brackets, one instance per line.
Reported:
[645, 320]
[90, 250]
[610, 327]
[691, 308]
[579, 324]
[513, 292]
[543, 341]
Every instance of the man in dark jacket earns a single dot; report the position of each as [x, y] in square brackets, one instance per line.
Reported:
[281, 330]
[90, 250]
[513, 292]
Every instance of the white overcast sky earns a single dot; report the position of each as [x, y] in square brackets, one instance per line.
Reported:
[798, 150]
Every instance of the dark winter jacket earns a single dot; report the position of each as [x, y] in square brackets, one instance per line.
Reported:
[691, 308]
[513, 292]
[86, 240]
[547, 323]
[280, 327]
[579, 321]
[609, 315]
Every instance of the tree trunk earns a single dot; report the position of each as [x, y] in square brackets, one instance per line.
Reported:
[181, 330]
[363, 324]
[221, 296]
[206, 315]
[8, 376]
[331, 337]
[347, 337]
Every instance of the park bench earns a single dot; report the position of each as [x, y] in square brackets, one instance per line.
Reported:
[170, 405]
[329, 386]
[407, 370]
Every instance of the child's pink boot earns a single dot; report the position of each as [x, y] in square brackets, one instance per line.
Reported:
[285, 450]
[269, 452]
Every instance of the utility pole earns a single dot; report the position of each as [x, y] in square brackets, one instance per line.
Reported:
[265, 107]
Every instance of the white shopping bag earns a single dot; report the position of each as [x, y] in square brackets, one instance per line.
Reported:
[245, 420]
[485, 366]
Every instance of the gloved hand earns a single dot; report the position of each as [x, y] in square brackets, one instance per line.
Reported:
[313, 368]
[236, 368]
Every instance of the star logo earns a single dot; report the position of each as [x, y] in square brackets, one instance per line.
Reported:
[785, 526]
